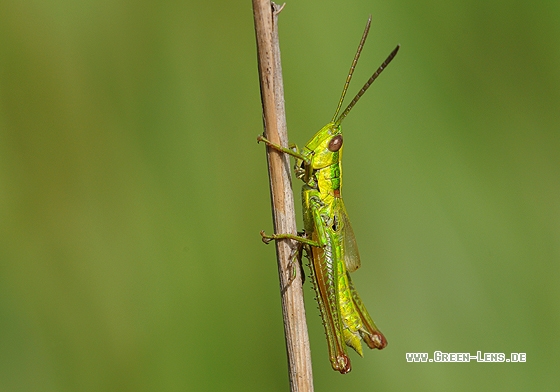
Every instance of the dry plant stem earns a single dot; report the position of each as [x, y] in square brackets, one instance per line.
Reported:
[272, 95]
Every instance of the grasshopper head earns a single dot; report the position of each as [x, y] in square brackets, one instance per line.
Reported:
[325, 147]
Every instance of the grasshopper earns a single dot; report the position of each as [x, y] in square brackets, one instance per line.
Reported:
[328, 238]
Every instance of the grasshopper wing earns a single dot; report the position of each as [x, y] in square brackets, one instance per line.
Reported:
[348, 241]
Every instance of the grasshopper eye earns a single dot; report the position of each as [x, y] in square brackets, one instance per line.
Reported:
[336, 143]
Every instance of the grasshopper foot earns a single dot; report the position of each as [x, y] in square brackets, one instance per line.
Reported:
[266, 238]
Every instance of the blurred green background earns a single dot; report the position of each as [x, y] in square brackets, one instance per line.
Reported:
[132, 192]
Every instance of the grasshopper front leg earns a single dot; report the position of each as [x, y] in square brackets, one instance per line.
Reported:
[293, 150]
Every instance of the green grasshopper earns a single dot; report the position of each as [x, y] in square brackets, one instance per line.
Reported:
[328, 238]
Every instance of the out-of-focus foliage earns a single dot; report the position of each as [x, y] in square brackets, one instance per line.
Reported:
[132, 192]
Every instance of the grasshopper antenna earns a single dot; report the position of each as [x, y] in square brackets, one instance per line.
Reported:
[366, 86]
[354, 62]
